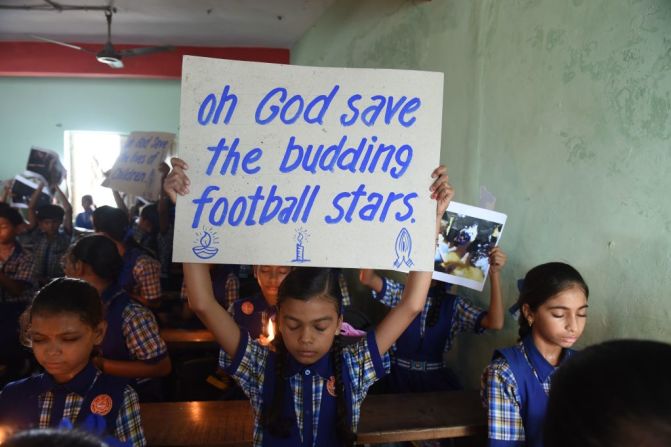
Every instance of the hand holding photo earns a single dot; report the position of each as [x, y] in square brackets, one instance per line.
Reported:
[467, 236]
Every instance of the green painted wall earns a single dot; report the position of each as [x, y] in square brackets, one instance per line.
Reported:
[36, 111]
[563, 110]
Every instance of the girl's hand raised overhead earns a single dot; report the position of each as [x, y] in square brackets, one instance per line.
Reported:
[177, 182]
[441, 190]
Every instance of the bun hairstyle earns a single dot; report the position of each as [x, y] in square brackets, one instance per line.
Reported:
[542, 283]
[111, 221]
[303, 284]
[100, 253]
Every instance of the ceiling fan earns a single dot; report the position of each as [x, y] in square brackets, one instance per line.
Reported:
[108, 54]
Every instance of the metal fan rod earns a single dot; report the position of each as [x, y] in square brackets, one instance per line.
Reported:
[55, 6]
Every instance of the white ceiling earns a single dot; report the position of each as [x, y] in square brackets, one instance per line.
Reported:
[212, 23]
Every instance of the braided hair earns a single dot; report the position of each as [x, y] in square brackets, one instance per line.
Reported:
[303, 284]
[542, 283]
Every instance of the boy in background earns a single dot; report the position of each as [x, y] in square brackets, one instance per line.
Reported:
[16, 287]
[49, 235]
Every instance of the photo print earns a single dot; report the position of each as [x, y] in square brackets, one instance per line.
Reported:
[467, 235]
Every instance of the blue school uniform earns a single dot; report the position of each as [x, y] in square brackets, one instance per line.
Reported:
[91, 399]
[310, 404]
[132, 334]
[515, 389]
[249, 313]
[85, 220]
[417, 355]
[19, 267]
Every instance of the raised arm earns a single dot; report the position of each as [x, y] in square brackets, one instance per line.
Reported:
[32, 207]
[197, 277]
[370, 279]
[6, 191]
[494, 317]
[417, 284]
[205, 306]
[67, 207]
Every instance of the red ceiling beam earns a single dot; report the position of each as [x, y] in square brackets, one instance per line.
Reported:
[40, 59]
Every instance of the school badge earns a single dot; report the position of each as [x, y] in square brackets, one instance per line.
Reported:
[330, 386]
[247, 308]
[101, 405]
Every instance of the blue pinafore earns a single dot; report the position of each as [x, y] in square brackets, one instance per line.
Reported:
[529, 378]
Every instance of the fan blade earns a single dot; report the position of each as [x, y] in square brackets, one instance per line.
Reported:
[69, 45]
[145, 50]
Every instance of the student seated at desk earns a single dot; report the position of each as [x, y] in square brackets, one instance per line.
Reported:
[515, 385]
[16, 291]
[65, 323]
[141, 274]
[308, 389]
[132, 346]
[417, 360]
[225, 285]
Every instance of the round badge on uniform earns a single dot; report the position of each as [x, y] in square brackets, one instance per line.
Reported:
[247, 308]
[101, 405]
[330, 386]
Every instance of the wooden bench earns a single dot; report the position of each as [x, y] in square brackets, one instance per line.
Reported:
[384, 418]
[188, 339]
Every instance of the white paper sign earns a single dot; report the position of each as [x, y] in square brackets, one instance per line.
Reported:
[309, 166]
[136, 169]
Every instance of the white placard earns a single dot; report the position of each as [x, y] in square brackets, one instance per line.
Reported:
[136, 169]
[309, 166]
[467, 235]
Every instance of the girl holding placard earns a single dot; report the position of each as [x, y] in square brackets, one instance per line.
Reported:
[307, 388]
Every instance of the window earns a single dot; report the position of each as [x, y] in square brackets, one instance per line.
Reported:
[87, 156]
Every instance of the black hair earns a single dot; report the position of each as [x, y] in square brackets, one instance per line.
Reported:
[303, 284]
[542, 283]
[614, 394]
[149, 212]
[111, 221]
[55, 212]
[68, 295]
[53, 437]
[100, 253]
[11, 214]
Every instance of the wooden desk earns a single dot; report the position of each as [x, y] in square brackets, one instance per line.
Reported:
[384, 418]
[188, 339]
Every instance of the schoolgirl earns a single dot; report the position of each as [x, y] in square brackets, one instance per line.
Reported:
[132, 346]
[65, 324]
[417, 360]
[515, 385]
[308, 389]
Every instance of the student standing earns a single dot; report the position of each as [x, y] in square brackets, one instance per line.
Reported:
[417, 360]
[48, 240]
[65, 324]
[85, 218]
[309, 389]
[515, 385]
